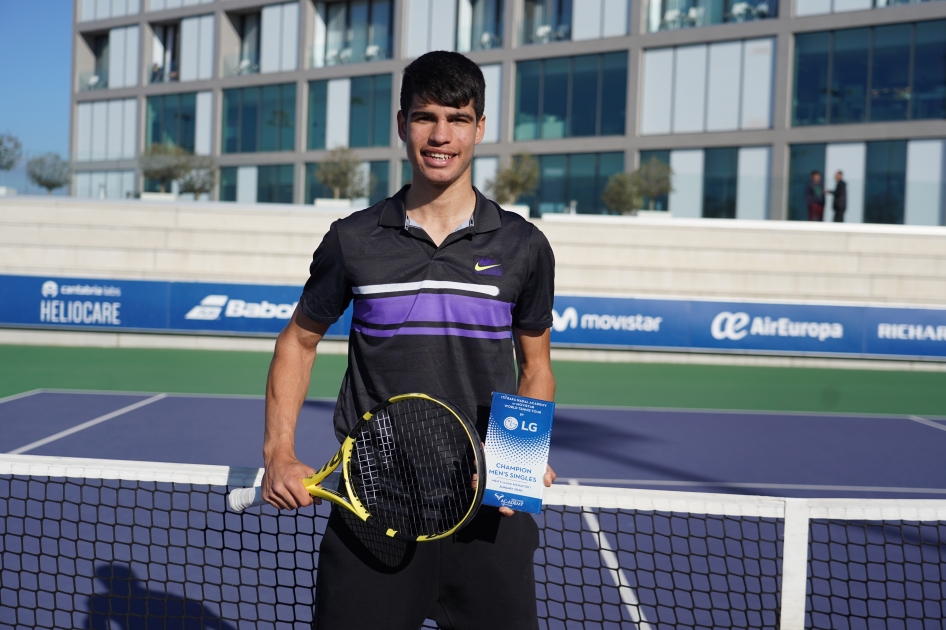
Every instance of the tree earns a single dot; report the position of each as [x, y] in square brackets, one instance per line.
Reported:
[343, 173]
[653, 179]
[48, 171]
[622, 193]
[202, 176]
[166, 163]
[10, 151]
[519, 178]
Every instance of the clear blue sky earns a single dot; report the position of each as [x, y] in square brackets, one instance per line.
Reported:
[35, 61]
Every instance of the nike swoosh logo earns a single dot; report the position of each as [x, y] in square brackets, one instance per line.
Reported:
[477, 267]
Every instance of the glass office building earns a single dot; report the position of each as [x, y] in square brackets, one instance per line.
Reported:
[743, 100]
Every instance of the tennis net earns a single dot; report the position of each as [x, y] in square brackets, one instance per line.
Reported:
[100, 544]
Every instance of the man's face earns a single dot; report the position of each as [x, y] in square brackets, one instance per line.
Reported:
[838, 176]
[816, 178]
[440, 139]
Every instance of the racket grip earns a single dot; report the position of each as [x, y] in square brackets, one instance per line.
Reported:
[243, 498]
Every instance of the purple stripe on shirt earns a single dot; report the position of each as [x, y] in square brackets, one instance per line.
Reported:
[433, 307]
[431, 330]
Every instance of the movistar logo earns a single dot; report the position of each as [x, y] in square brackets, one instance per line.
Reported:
[488, 267]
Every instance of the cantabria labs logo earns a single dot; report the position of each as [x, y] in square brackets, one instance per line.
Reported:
[211, 307]
[735, 326]
[50, 289]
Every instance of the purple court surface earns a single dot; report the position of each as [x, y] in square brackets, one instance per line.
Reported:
[762, 453]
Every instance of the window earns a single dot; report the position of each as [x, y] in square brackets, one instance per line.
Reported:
[657, 203]
[849, 59]
[885, 73]
[259, 119]
[378, 172]
[228, 183]
[723, 86]
[165, 53]
[720, 182]
[928, 93]
[407, 173]
[370, 115]
[97, 78]
[274, 183]
[479, 25]
[318, 112]
[804, 159]
[571, 96]
[670, 15]
[171, 120]
[546, 21]
[247, 60]
[573, 181]
[885, 181]
[811, 78]
[352, 32]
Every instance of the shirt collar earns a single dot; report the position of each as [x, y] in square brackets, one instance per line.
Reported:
[485, 215]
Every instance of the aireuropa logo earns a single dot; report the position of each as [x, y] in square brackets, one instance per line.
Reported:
[735, 326]
[511, 423]
[595, 321]
[212, 306]
[50, 289]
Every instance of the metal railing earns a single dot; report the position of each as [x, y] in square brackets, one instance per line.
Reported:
[238, 66]
[91, 80]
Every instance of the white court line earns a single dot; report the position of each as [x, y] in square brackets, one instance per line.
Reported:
[628, 596]
[11, 397]
[759, 486]
[928, 423]
[85, 425]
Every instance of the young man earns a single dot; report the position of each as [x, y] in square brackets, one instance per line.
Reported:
[444, 282]
[814, 197]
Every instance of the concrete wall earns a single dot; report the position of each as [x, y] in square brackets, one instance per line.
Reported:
[271, 243]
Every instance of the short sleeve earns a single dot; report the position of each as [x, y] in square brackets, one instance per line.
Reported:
[533, 309]
[327, 293]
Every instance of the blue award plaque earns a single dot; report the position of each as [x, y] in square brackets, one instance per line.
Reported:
[517, 452]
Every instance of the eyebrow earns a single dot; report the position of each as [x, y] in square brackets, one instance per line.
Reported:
[454, 116]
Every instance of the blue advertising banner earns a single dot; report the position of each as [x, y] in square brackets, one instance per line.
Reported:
[758, 327]
[151, 306]
[579, 321]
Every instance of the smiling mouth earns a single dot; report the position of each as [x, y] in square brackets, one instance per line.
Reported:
[438, 157]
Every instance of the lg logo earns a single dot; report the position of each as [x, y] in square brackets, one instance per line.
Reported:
[728, 325]
[512, 424]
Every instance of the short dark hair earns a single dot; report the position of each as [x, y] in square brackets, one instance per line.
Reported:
[813, 173]
[443, 77]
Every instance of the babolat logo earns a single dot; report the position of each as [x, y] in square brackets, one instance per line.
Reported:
[735, 326]
[594, 321]
[212, 306]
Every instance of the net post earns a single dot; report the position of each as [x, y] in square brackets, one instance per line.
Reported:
[794, 565]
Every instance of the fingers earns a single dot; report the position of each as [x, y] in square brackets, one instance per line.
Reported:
[549, 477]
[282, 485]
[506, 511]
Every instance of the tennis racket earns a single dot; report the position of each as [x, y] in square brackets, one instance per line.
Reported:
[406, 468]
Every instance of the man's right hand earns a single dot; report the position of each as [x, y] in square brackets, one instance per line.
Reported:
[282, 484]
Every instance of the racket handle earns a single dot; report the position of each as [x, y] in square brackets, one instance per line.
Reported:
[243, 498]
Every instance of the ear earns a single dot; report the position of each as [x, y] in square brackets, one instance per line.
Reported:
[481, 129]
[402, 126]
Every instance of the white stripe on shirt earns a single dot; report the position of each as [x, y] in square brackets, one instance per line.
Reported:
[396, 287]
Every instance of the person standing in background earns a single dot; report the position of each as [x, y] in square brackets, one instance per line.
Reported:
[839, 201]
[814, 197]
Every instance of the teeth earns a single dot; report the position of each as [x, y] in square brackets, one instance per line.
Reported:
[439, 156]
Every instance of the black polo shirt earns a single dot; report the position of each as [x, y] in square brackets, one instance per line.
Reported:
[436, 320]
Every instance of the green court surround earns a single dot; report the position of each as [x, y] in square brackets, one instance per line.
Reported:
[23, 368]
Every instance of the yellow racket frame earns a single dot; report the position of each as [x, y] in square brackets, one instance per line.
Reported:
[349, 500]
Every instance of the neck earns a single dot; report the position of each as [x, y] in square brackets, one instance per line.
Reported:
[454, 201]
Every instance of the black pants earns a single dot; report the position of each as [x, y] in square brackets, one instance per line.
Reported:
[481, 577]
[839, 215]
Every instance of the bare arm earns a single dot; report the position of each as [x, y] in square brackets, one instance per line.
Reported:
[286, 388]
[533, 354]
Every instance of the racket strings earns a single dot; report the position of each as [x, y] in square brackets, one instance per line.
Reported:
[414, 468]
